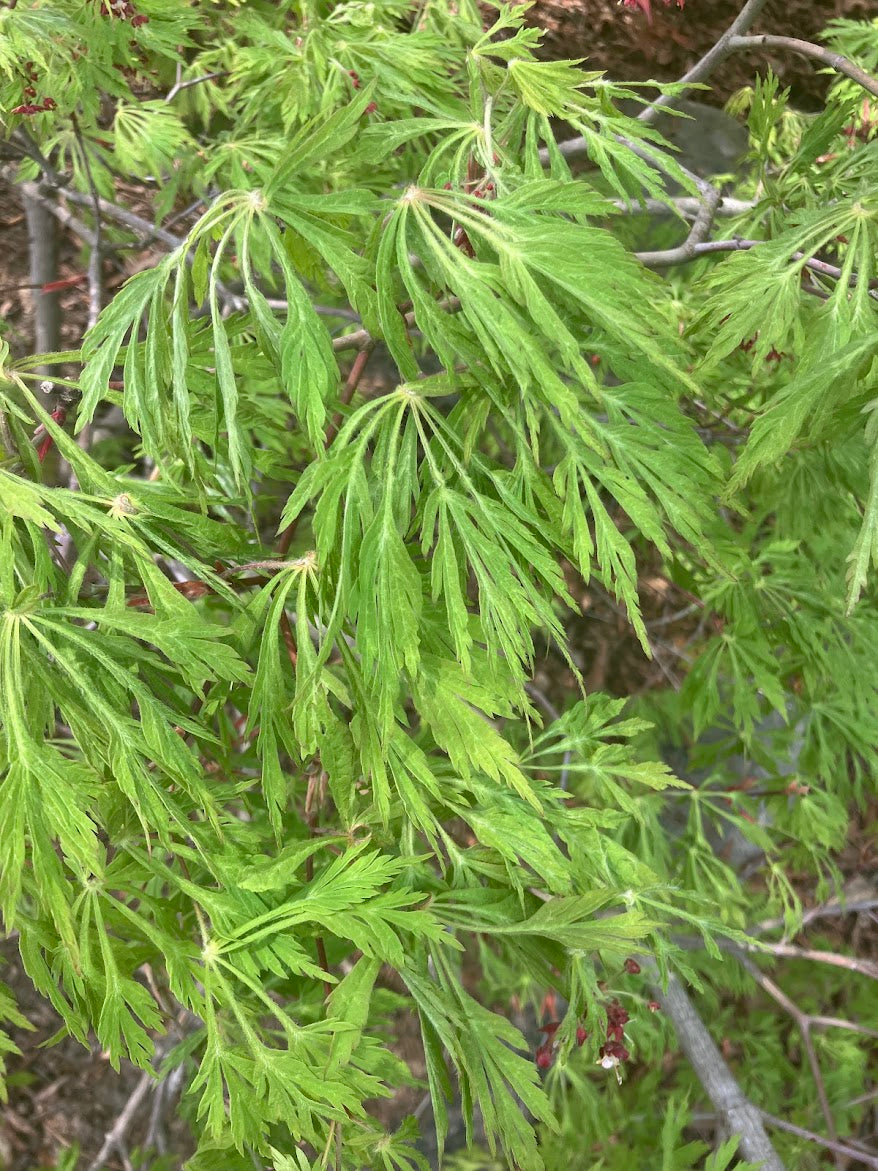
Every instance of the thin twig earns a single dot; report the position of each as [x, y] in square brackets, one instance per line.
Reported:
[349, 389]
[850, 963]
[45, 195]
[165, 1094]
[839, 1148]
[862, 967]
[115, 1138]
[808, 49]
[181, 85]
[804, 1022]
[829, 910]
[695, 249]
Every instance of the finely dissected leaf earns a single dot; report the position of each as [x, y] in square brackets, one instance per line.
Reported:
[782, 422]
[446, 699]
[390, 451]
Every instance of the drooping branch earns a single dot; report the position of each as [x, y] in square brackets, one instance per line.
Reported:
[825, 56]
[694, 249]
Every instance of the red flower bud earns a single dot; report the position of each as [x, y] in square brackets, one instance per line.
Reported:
[632, 967]
[371, 108]
[137, 21]
[49, 103]
[29, 91]
[355, 78]
[544, 1056]
[581, 1036]
[69, 282]
[653, 1006]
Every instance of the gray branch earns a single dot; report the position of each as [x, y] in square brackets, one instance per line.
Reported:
[42, 241]
[711, 60]
[737, 1112]
[808, 49]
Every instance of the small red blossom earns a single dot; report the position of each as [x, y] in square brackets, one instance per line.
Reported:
[653, 1006]
[614, 1050]
[774, 355]
[138, 20]
[59, 415]
[463, 242]
[616, 1014]
[550, 1028]
[26, 108]
[617, 1019]
[797, 789]
[49, 103]
[29, 91]
[544, 1056]
[632, 967]
[355, 78]
[581, 1036]
[371, 108]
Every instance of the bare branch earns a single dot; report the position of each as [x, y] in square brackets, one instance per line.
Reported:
[713, 58]
[858, 897]
[851, 963]
[807, 49]
[689, 249]
[804, 1021]
[42, 241]
[694, 249]
[181, 85]
[116, 1136]
[866, 1158]
[737, 1112]
[45, 194]
[685, 205]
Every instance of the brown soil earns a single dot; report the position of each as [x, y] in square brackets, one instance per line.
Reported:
[629, 47]
[65, 1094]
